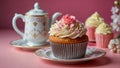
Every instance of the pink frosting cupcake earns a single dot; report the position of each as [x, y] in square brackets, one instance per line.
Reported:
[103, 35]
[68, 38]
[91, 24]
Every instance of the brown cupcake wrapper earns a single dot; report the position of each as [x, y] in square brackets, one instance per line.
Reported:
[69, 51]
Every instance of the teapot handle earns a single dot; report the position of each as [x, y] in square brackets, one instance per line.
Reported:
[14, 23]
[54, 17]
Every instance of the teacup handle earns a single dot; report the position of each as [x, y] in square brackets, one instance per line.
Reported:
[14, 23]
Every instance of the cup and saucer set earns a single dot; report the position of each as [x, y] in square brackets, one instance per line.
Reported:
[35, 36]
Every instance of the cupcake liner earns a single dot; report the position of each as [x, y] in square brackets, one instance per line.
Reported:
[69, 51]
[102, 41]
[91, 33]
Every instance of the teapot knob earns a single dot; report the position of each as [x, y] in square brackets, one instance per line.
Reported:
[36, 6]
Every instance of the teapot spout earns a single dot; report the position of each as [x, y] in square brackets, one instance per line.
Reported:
[54, 17]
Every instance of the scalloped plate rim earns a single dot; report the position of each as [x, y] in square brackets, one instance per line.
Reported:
[70, 60]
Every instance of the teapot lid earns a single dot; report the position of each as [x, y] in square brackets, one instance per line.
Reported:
[36, 10]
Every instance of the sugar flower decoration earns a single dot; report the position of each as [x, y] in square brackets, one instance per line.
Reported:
[114, 16]
[114, 44]
[116, 19]
[116, 26]
[114, 9]
[69, 19]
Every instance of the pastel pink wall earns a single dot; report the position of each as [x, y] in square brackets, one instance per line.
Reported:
[80, 8]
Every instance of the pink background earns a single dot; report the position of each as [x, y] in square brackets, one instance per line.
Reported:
[11, 57]
[82, 9]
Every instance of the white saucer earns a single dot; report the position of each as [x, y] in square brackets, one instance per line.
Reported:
[23, 44]
[91, 53]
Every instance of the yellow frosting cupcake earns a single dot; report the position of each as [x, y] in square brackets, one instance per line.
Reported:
[94, 20]
[104, 29]
[103, 35]
[91, 24]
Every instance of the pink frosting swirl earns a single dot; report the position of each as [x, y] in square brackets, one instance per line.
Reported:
[69, 19]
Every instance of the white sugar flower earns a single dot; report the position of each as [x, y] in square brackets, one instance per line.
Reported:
[116, 26]
[114, 16]
[116, 19]
[114, 10]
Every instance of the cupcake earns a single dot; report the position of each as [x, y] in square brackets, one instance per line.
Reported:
[91, 24]
[103, 35]
[67, 38]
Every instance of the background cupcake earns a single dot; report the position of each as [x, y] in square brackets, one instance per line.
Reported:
[67, 38]
[91, 24]
[103, 35]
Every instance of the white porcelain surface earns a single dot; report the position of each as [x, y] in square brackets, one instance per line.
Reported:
[91, 53]
[20, 43]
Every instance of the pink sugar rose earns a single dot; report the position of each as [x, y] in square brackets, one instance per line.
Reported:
[69, 19]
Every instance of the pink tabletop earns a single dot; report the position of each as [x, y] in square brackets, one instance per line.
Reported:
[11, 57]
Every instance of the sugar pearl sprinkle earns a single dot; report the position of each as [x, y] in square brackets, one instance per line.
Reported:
[114, 45]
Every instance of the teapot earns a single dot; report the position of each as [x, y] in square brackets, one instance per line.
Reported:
[37, 24]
